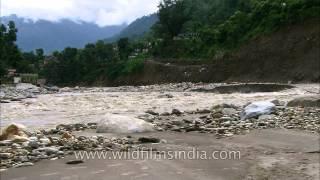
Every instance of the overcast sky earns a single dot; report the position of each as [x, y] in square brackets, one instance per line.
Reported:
[102, 12]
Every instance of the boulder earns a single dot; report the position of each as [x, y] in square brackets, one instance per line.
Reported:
[256, 109]
[122, 124]
[305, 101]
[14, 132]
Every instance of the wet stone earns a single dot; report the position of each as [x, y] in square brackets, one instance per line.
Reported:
[148, 140]
[5, 155]
[176, 112]
[73, 162]
[25, 164]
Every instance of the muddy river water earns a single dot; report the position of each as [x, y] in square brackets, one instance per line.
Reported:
[91, 104]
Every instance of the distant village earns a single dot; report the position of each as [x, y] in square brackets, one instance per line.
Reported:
[14, 77]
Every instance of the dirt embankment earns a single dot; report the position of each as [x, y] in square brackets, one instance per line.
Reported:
[290, 54]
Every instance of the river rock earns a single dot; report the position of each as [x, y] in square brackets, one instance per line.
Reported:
[48, 150]
[257, 109]
[226, 118]
[15, 146]
[229, 111]
[176, 112]
[148, 140]
[165, 96]
[152, 112]
[25, 164]
[72, 162]
[177, 123]
[19, 139]
[266, 117]
[92, 125]
[33, 144]
[305, 101]
[45, 141]
[123, 124]
[66, 135]
[6, 143]
[5, 155]
[15, 132]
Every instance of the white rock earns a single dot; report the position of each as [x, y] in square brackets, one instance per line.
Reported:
[256, 109]
[122, 124]
[45, 141]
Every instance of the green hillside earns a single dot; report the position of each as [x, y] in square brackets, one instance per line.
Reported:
[209, 28]
[137, 29]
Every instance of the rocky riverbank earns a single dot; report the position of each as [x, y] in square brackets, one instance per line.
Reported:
[225, 120]
[20, 148]
[22, 91]
[175, 108]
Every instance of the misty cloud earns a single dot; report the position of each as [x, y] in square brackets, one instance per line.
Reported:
[102, 12]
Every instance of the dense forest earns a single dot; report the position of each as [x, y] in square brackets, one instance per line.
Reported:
[209, 28]
[186, 29]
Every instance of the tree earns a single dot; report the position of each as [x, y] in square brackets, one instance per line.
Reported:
[9, 52]
[173, 14]
[124, 48]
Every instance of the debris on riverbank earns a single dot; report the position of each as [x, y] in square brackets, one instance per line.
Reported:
[59, 142]
[225, 120]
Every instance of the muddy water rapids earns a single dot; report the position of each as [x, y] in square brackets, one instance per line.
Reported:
[91, 104]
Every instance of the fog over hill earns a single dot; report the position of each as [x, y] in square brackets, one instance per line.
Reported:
[137, 28]
[53, 36]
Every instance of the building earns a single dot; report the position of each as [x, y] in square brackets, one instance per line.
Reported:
[11, 72]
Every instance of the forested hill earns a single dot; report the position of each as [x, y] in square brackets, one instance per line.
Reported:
[212, 28]
[137, 28]
[52, 36]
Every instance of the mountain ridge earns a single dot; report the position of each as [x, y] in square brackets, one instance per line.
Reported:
[53, 36]
[137, 28]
